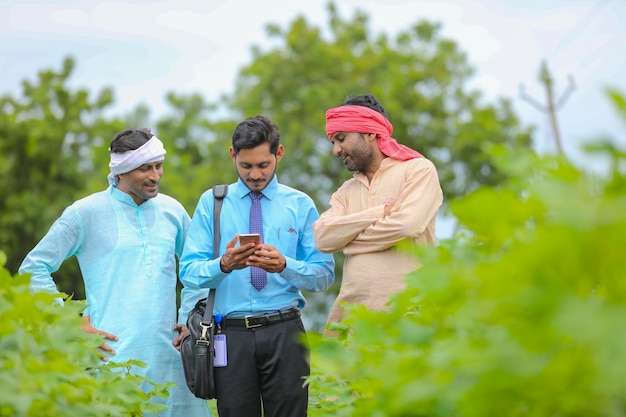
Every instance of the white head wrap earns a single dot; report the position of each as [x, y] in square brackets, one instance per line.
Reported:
[150, 152]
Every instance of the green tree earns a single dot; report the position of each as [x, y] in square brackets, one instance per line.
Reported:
[197, 157]
[48, 137]
[53, 140]
[520, 315]
[418, 75]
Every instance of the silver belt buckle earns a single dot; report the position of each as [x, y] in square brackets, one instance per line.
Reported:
[248, 325]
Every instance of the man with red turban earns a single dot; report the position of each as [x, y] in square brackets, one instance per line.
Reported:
[393, 196]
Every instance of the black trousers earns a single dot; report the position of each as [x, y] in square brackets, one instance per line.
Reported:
[266, 369]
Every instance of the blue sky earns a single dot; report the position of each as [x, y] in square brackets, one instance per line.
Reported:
[144, 48]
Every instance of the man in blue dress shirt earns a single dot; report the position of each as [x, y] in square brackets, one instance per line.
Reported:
[126, 239]
[266, 359]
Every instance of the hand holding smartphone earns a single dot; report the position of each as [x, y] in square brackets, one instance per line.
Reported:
[249, 238]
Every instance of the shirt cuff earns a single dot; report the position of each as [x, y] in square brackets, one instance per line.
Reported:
[291, 269]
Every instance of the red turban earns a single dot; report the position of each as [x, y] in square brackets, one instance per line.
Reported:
[365, 120]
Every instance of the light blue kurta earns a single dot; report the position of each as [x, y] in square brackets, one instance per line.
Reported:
[127, 258]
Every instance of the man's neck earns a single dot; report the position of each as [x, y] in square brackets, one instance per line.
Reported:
[374, 167]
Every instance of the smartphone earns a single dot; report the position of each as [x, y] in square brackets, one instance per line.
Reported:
[249, 238]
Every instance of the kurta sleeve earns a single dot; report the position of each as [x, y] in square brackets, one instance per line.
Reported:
[63, 240]
[415, 209]
[336, 228]
[188, 296]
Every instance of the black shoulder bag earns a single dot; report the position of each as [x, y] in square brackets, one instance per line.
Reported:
[197, 349]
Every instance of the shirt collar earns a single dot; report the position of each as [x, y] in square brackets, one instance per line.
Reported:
[268, 192]
[123, 197]
[384, 165]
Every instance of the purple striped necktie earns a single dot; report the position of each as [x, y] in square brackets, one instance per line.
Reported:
[257, 275]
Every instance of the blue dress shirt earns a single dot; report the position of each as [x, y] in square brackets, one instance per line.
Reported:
[288, 215]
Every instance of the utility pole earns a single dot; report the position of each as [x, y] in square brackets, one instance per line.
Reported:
[546, 79]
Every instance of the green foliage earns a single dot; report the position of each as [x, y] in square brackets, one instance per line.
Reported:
[50, 367]
[197, 157]
[419, 77]
[54, 139]
[521, 314]
[48, 138]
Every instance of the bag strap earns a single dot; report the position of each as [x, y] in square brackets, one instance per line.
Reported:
[219, 192]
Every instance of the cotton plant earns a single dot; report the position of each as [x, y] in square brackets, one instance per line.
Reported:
[519, 314]
[50, 367]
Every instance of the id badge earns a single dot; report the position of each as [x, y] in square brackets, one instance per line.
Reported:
[220, 358]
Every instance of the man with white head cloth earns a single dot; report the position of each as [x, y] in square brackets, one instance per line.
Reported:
[126, 240]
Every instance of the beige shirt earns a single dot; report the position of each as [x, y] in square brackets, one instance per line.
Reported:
[374, 268]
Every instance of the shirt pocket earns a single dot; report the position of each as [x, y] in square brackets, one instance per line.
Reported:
[285, 239]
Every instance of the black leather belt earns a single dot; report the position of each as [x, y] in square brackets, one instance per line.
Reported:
[251, 322]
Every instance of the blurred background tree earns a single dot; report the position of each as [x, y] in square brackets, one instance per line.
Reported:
[48, 139]
[419, 77]
[54, 140]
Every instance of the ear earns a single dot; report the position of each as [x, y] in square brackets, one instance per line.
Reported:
[371, 137]
[279, 152]
[233, 155]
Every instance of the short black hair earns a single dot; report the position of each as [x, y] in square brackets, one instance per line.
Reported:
[366, 100]
[130, 139]
[254, 131]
